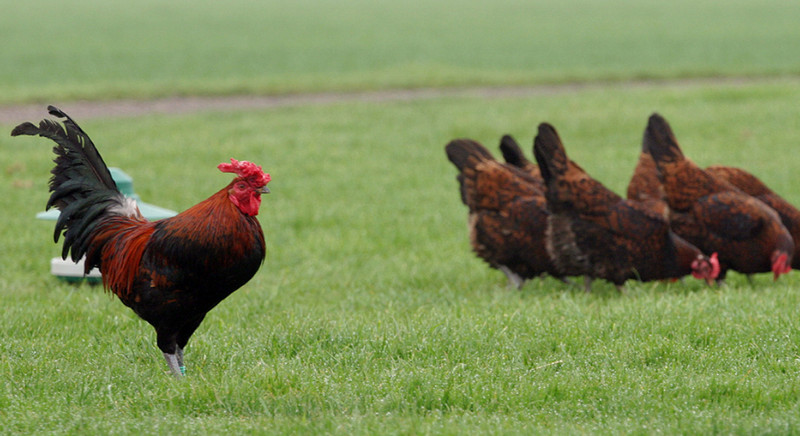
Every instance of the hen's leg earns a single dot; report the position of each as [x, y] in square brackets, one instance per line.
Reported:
[587, 284]
[514, 279]
[564, 280]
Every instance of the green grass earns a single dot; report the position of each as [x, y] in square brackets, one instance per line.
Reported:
[92, 49]
[371, 315]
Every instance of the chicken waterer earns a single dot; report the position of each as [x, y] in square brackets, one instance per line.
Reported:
[73, 271]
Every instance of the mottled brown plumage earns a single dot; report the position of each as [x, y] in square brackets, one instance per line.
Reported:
[596, 233]
[645, 187]
[751, 185]
[713, 214]
[507, 215]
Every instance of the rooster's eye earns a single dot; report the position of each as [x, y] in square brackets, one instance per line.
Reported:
[241, 186]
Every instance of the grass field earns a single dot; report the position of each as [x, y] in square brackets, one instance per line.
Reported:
[91, 49]
[371, 315]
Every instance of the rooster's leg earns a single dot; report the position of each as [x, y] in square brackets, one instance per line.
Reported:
[167, 343]
[587, 284]
[183, 338]
[181, 366]
[172, 362]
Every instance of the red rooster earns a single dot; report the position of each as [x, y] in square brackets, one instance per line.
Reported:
[171, 272]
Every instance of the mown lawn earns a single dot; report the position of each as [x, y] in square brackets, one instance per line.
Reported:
[55, 51]
[371, 315]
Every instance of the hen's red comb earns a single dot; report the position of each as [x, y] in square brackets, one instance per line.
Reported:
[246, 170]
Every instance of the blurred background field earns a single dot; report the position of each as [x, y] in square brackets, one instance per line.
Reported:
[146, 48]
[370, 314]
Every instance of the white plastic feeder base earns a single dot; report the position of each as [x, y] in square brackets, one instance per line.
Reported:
[72, 271]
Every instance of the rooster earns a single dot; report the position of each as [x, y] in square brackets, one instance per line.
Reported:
[171, 272]
[715, 215]
[592, 231]
[507, 215]
[751, 185]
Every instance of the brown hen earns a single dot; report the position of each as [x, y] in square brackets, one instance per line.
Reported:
[596, 233]
[507, 214]
[751, 185]
[714, 215]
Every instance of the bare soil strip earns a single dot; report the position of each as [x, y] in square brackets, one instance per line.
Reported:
[13, 114]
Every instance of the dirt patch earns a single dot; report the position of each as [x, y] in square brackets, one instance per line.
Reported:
[14, 114]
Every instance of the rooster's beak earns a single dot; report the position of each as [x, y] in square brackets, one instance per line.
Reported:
[264, 190]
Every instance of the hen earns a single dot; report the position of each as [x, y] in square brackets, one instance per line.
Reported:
[596, 233]
[170, 272]
[507, 215]
[714, 215]
[751, 185]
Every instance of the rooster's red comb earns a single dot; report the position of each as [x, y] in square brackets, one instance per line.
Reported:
[246, 170]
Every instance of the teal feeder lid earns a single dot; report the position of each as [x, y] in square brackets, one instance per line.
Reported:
[72, 271]
[125, 185]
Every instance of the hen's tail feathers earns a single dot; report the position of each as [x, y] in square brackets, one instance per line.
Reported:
[659, 140]
[512, 153]
[81, 185]
[466, 153]
[549, 153]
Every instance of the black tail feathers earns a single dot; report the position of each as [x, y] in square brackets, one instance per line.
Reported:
[81, 185]
[512, 152]
[466, 152]
[549, 152]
